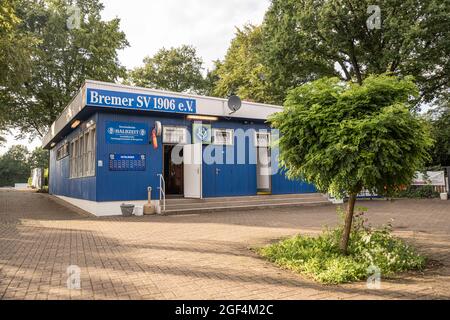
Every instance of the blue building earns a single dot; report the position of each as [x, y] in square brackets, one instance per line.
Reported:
[112, 142]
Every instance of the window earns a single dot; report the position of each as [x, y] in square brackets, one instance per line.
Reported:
[73, 153]
[222, 136]
[262, 139]
[82, 154]
[62, 151]
[174, 135]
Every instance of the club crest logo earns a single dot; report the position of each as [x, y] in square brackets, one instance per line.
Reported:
[202, 133]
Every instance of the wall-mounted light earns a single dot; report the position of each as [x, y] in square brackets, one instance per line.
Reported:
[52, 145]
[205, 118]
[75, 124]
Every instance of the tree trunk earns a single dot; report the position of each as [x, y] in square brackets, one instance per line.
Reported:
[348, 223]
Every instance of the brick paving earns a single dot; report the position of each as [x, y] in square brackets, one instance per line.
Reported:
[197, 256]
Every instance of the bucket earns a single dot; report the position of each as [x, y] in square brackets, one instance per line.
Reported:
[138, 211]
[127, 209]
[444, 196]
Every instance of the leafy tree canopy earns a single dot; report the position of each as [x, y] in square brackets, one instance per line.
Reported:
[14, 166]
[242, 71]
[344, 137]
[440, 124]
[175, 69]
[72, 44]
[38, 158]
[307, 39]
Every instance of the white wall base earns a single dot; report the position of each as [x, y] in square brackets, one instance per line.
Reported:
[101, 209]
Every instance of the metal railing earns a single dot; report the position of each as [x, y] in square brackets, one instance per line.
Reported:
[162, 192]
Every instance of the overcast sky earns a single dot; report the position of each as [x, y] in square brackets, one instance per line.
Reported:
[152, 24]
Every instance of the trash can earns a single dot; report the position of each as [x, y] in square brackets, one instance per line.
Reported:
[127, 209]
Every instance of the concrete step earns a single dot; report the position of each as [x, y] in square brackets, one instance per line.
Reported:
[243, 198]
[174, 206]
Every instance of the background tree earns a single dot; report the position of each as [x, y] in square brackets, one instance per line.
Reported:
[211, 79]
[440, 124]
[15, 46]
[242, 71]
[38, 158]
[71, 45]
[14, 167]
[307, 39]
[344, 137]
[175, 69]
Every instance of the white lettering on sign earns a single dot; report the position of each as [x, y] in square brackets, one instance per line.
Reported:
[97, 97]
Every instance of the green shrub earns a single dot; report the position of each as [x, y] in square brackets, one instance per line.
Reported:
[320, 257]
[417, 192]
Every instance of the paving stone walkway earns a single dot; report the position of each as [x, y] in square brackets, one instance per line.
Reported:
[196, 256]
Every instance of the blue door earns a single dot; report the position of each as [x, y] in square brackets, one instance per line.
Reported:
[222, 179]
[217, 175]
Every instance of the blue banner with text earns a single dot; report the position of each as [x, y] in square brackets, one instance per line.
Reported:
[126, 132]
[138, 101]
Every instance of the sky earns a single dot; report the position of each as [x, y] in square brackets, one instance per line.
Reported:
[149, 25]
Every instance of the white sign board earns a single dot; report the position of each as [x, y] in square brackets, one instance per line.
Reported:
[434, 178]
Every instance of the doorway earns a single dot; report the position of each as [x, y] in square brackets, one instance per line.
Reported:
[263, 170]
[173, 171]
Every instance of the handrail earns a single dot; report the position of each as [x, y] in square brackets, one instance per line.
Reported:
[162, 192]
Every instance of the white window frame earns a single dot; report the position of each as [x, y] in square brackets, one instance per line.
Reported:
[258, 142]
[183, 139]
[82, 154]
[229, 134]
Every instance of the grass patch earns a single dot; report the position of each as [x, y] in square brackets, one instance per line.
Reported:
[320, 259]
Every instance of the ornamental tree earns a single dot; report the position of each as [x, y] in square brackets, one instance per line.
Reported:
[345, 137]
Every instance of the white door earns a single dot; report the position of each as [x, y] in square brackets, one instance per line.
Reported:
[263, 169]
[192, 163]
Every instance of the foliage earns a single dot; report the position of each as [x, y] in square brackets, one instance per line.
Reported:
[242, 71]
[417, 192]
[211, 79]
[320, 257]
[307, 39]
[17, 162]
[440, 125]
[61, 59]
[15, 46]
[38, 158]
[175, 69]
[14, 166]
[343, 137]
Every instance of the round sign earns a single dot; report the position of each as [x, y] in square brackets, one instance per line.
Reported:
[202, 133]
[234, 103]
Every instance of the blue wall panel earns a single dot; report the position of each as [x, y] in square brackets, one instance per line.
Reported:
[282, 185]
[130, 185]
[229, 180]
[60, 183]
